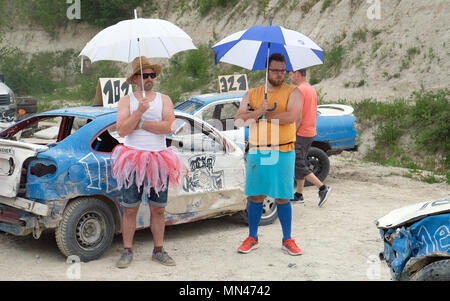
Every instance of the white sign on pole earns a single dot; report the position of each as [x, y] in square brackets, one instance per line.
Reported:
[233, 83]
[110, 90]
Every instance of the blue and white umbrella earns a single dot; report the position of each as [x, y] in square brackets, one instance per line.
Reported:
[250, 48]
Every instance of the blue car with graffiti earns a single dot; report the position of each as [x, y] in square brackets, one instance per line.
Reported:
[335, 126]
[416, 241]
[55, 175]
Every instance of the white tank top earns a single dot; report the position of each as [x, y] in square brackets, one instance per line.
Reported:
[144, 140]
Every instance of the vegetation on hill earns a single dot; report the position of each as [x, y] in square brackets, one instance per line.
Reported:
[423, 118]
[51, 15]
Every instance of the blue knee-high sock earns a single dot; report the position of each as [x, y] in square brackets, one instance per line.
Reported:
[285, 217]
[254, 211]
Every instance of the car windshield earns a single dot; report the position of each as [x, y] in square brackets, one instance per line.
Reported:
[45, 130]
[189, 106]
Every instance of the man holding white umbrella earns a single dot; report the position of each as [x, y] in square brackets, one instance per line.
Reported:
[143, 164]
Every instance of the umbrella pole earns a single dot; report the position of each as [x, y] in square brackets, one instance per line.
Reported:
[140, 59]
[267, 74]
[140, 63]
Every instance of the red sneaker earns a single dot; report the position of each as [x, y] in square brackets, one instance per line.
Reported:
[249, 244]
[291, 248]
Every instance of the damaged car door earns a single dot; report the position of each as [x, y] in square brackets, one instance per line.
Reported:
[215, 169]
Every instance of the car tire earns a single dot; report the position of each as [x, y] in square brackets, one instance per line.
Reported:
[269, 215]
[435, 271]
[86, 229]
[318, 163]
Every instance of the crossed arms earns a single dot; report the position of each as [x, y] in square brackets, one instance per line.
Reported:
[245, 117]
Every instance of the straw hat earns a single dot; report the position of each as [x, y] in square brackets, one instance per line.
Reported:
[135, 65]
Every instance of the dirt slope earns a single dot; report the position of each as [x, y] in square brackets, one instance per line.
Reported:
[401, 46]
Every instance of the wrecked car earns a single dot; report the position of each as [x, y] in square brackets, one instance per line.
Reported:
[335, 126]
[417, 241]
[335, 132]
[8, 105]
[55, 174]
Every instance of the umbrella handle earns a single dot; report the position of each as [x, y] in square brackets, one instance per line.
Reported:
[269, 110]
[265, 98]
[274, 107]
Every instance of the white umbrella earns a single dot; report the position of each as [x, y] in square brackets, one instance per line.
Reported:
[126, 40]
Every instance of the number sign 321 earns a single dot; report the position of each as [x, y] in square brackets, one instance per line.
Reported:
[233, 83]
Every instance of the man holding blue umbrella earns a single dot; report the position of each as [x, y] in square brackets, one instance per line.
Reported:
[271, 156]
[270, 161]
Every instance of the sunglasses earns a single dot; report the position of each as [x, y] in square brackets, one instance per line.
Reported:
[146, 75]
[277, 70]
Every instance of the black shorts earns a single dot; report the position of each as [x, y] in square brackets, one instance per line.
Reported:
[302, 146]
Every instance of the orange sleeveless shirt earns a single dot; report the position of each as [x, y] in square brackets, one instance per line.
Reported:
[264, 135]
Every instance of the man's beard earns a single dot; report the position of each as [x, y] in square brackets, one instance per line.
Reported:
[274, 82]
[148, 86]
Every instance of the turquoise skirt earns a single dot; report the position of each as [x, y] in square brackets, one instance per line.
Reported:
[270, 173]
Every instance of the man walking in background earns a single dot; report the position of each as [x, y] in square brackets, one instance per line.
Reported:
[306, 131]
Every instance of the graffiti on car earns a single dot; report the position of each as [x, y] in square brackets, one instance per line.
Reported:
[94, 172]
[202, 176]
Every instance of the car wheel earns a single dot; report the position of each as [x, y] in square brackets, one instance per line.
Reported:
[269, 214]
[86, 229]
[318, 163]
[435, 271]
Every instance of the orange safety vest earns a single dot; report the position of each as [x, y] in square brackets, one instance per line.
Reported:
[266, 135]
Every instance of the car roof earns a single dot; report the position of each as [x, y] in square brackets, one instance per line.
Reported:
[87, 112]
[93, 112]
[212, 97]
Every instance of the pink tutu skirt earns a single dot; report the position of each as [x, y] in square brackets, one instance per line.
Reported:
[151, 169]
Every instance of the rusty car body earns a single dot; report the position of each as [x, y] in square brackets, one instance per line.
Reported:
[55, 174]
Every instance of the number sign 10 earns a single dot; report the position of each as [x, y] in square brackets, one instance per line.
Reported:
[113, 89]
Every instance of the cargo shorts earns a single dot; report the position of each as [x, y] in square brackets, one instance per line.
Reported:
[302, 146]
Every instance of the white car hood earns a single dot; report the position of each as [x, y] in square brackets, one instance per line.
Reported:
[4, 89]
[414, 212]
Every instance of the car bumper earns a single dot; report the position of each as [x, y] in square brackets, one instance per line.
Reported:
[20, 216]
[7, 113]
[26, 205]
[16, 221]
